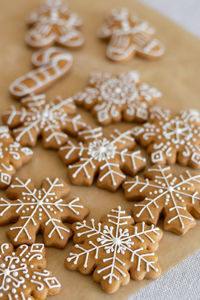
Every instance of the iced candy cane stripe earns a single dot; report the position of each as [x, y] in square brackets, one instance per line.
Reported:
[177, 197]
[115, 250]
[95, 154]
[53, 23]
[44, 209]
[50, 65]
[51, 120]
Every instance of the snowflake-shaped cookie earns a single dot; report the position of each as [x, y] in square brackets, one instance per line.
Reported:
[12, 156]
[110, 158]
[115, 97]
[115, 249]
[23, 274]
[53, 23]
[171, 138]
[177, 197]
[52, 120]
[128, 35]
[44, 209]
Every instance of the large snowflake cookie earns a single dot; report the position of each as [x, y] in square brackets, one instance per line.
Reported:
[23, 274]
[161, 192]
[44, 210]
[50, 65]
[12, 156]
[128, 35]
[171, 138]
[110, 158]
[115, 250]
[115, 97]
[54, 23]
[53, 121]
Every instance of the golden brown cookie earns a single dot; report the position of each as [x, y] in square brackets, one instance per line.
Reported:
[44, 210]
[109, 158]
[163, 193]
[50, 65]
[115, 250]
[51, 120]
[12, 156]
[53, 23]
[112, 98]
[171, 138]
[23, 273]
[128, 35]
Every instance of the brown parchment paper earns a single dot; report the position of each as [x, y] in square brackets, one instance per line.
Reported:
[176, 75]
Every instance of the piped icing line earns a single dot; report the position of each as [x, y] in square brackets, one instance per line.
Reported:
[51, 64]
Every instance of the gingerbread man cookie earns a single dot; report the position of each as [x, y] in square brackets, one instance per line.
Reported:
[112, 98]
[110, 158]
[12, 156]
[23, 273]
[163, 193]
[50, 65]
[53, 121]
[128, 35]
[171, 138]
[115, 250]
[44, 209]
[53, 23]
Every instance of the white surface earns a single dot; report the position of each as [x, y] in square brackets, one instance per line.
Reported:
[183, 281]
[184, 12]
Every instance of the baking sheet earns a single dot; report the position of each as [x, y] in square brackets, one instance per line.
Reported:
[176, 75]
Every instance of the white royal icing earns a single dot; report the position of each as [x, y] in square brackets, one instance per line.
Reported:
[115, 240]
[52, 64]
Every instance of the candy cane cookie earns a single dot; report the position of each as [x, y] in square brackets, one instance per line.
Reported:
[50, 65]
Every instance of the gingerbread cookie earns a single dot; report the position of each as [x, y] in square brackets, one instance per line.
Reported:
[177, 197]
[128, 35]
[51, 64]
[110, 158]
[12, 156]
[112, 98]
[44, 209]
[53, 23]
[115, 250]
[53, 121]
[23, 274]
[171, 138]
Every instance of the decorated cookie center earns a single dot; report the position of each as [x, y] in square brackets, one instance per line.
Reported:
[177, 131]
[101, 150]
[118, 92]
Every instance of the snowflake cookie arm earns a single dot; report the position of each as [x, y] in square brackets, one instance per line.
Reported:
[149, 94]
[19, 155]
[87, 98]
[40, 282]
[14, 117]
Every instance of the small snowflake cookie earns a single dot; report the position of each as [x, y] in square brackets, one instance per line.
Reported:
[12, 156]
[115, 250]
[163, 193]
[50, 65]
[128, 35]
[110, 158]
[112, 98]
[171, 138]
[53, 23]
[44, 210]
[51, 120]
[23, 274]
